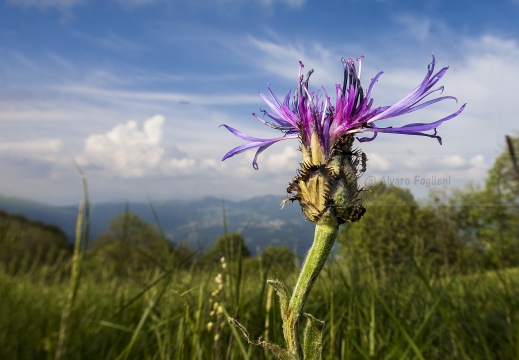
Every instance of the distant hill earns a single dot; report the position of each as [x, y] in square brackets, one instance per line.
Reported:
[200, 222]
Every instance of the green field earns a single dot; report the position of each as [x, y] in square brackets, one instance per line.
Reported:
[416, 314]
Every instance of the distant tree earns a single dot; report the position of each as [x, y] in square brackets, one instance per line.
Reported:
[487, 218]
[31, 242]
[231, 246]
[395, 230]
[474, 226]
[463, 217]
[278, 259]
[500, 208]
[132, 245]
[443, 243]
[383, 236]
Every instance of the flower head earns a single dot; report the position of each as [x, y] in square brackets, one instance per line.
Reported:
[312, 118]
[326, 185]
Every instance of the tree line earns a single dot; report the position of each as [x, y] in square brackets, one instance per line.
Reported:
[472, 227]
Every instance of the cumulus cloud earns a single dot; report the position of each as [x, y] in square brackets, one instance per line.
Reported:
[453, 161]
[378, 162]
[281, 161]
[126, 144]
[131, 151]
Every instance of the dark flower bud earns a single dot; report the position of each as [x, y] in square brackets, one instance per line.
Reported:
[327, 190]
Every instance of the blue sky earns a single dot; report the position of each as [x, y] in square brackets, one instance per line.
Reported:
[134, 91]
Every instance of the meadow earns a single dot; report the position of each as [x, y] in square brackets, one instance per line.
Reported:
[419, 313]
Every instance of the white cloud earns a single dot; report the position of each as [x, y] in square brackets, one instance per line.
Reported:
[131, 152]
[478, 161]
[377, 161]
[291, 3]
[269, 3]
[282, 59]
[111, 41]
[37, 159]
[49, 151]
[281, 161]
[414, 163]
[44, 4]
[183, 166]
[478, 167]
[453, 161]
[137, 2]
[126, 148]
[419, 28]
[172, 97]
[38, 146]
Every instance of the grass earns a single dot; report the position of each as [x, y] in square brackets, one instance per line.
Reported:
[415, 314]
[78, 308]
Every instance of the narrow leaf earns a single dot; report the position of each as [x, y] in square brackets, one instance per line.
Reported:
[282, 292]
[313, 338]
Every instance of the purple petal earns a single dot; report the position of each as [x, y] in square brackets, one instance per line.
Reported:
[253, 142]
[413, 129]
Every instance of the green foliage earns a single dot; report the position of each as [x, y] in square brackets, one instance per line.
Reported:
[462, 211]
[501, 214]
[473, 226]
[485, 218]
[23, 241]
[395, 230]
[132, 246]
[231, 246]
[414, 314]
[278, 260]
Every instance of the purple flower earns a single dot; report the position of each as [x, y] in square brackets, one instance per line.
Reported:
[311, 112]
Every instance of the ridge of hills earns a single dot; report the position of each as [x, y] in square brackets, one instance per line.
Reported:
[198, 222]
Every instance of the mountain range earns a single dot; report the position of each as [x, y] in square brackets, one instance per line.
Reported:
[199, 222]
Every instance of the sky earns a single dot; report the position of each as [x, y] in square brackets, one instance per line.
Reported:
[133, 92]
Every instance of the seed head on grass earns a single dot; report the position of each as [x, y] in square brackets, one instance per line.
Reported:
[216, 300]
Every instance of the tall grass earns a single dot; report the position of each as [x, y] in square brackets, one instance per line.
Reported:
[82, 232]
[416, 314]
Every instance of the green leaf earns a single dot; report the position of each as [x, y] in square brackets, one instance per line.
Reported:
[276, 350]
[282, 292]
[313, 338]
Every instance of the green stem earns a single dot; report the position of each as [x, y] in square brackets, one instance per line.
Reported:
[325, 235]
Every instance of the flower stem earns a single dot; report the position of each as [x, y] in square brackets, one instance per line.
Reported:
[325, 235]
